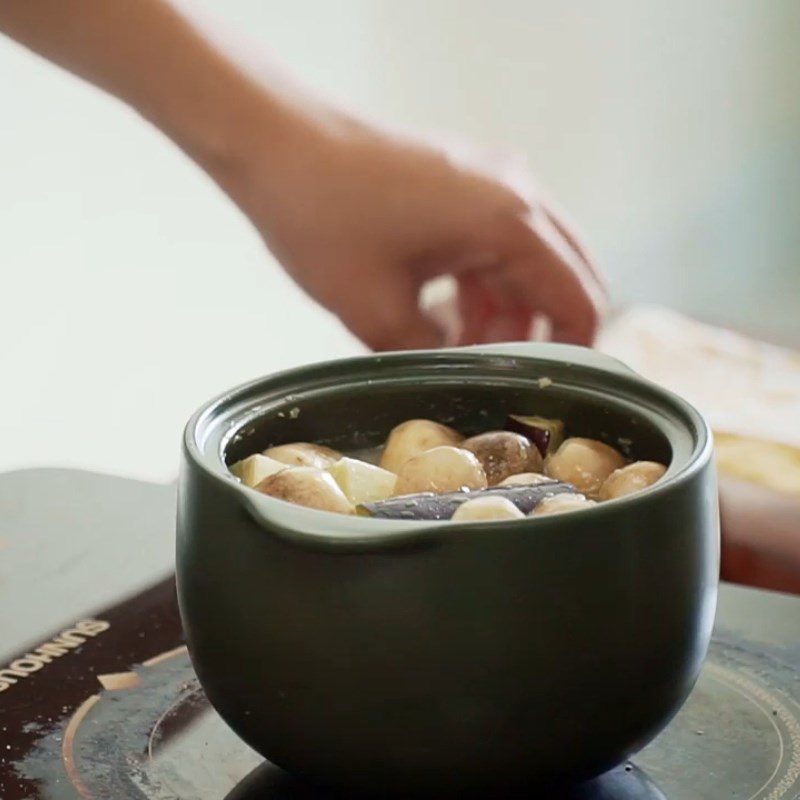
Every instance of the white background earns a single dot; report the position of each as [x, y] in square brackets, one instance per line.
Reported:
[132, 289]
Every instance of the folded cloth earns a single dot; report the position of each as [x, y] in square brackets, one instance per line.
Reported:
[748, 390]
[742, 385]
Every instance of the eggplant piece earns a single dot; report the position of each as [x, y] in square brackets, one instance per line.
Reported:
[546, 434]
[430, 506]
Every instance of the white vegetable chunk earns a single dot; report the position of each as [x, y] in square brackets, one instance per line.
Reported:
[307, 486]
[413, 437]
[254, 469]
[362, 482]
[486, 508]
[440, 470]
[632, 478]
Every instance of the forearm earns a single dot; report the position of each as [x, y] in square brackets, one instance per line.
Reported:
[360, 217]
[167, 63]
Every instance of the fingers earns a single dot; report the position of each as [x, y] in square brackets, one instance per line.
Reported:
[383, 311]
[513, 171]
[485, 314]
[476, 307]
[572, 239]
[547, 275]
[541, 275]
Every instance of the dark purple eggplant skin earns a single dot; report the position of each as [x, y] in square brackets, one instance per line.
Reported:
[539, 436]
[516, 423]
[430, 506]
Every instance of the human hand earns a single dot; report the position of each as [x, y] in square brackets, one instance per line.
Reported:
[363, 218]
[360, 217]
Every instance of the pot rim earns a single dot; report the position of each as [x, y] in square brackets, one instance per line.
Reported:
[328, 530]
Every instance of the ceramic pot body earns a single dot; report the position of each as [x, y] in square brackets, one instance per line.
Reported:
[438, 656]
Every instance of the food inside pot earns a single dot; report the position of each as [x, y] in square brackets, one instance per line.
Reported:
[426, 470]
[429, 505]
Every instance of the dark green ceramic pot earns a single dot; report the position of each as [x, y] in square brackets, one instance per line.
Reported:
[372, 654]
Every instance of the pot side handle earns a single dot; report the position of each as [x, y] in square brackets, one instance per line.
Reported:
[322, 531]
[553, 351]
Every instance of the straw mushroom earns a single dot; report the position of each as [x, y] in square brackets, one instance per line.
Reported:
[307, 486]
[413, 437]
[440, 470]
[585, 463]
[632, 478]
[503, 453]
[525, 479]
[304, 454]
[561, 504]
[486, 508]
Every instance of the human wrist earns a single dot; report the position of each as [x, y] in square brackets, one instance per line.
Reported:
[256, 139]
[217, 114]
[222, 103]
